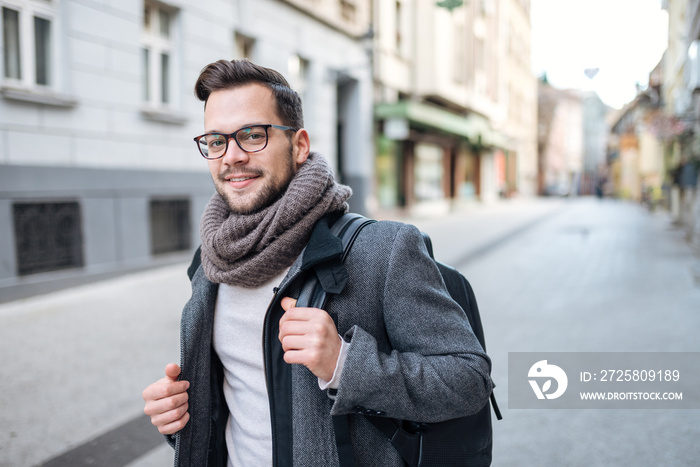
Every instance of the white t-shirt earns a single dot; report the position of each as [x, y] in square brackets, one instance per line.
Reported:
[238, 341]
[238, 334]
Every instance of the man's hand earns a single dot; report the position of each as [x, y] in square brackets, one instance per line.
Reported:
[166, 402]
[309, 337]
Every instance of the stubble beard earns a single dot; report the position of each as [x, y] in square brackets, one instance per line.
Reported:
[267, 194]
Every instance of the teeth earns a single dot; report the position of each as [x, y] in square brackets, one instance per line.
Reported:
[241, 179]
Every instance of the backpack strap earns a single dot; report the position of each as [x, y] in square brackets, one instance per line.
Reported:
[196, 261]
[347, 228]
[312, 294]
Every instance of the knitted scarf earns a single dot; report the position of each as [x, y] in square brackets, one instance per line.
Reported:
[249, 250]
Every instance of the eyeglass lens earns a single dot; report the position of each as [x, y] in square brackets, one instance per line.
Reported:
[250, 139]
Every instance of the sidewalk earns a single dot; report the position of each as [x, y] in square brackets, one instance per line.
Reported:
[75, 362]
[472, 231]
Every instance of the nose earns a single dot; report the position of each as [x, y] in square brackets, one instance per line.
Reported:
[234, 154]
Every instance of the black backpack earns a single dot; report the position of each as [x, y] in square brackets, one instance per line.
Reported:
[461, 442]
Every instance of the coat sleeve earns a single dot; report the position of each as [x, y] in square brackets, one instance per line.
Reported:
[420, 360]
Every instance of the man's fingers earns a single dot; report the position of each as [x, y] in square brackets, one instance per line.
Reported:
[309, 337]
[166, 411]
[288, 303]
[311, 322]
[174, 426]
[164, 388]
[317, 362]
[295, 313]
[316, 330]
[162, 406]
[169, 415]
[167, 401]
[297, 356]
[172, 371]
[297, 342]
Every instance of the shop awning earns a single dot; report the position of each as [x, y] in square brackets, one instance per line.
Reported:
[474, 127]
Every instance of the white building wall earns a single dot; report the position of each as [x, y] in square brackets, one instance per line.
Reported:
[394, 58]
[94, 117]
[103, 73]
[281, 31]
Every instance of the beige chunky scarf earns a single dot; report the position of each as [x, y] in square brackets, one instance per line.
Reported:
[249, 250]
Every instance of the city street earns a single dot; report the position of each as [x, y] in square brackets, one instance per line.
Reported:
[550, 275]
[596, 277]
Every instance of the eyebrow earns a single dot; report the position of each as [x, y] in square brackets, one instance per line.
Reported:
[241, 127]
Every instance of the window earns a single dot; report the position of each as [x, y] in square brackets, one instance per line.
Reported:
[398, 19]
[170, 225]
[298, 73]
[487, 7]
[459, 62]
[348, 10]
[47, 236]
[479, 54]
[244, 46]
[10, 27]
[428, 172]
[28, 43]
[157, 55]
[42, 45]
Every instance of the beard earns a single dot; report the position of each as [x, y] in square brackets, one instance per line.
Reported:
[271, 190]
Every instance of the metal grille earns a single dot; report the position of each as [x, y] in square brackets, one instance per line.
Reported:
[170, 225]
[47, 236]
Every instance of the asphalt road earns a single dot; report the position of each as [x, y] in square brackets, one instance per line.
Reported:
[596, 277]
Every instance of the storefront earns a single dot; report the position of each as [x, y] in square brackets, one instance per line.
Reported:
[430, 157]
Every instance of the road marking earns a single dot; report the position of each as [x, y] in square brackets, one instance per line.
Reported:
[115, 448]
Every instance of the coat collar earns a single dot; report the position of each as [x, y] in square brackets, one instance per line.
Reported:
[323, 253]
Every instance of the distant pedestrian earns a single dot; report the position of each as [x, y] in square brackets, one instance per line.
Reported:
[260, 378]
[599, 186]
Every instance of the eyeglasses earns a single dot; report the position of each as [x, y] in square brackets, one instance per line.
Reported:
[251, 138]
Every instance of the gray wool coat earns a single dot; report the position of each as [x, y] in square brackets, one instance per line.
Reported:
[412, 356]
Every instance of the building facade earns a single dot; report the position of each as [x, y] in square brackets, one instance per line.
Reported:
[681, 142]
[520, 123]
[560, 140]
[455, 102]
[98, 170]
[595, 143]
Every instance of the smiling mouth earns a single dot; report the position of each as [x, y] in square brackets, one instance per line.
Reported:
[228, 178]
[241, 179]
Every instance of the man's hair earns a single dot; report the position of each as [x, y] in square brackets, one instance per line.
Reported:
[224, 74]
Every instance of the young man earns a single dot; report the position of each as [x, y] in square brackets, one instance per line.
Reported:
[260, 378]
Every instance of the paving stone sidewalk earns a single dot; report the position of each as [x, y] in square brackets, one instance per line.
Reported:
[75, 362]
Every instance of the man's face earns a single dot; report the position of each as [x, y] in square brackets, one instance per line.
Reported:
[249, 182]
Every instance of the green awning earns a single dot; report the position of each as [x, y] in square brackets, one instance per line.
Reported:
[474, 127]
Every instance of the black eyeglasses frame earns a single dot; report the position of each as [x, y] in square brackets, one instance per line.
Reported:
[229, 136]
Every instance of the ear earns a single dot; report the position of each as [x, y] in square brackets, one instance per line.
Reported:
[301, 145]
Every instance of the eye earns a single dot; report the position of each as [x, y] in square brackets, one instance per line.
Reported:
[252, 135]
[215, 142]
